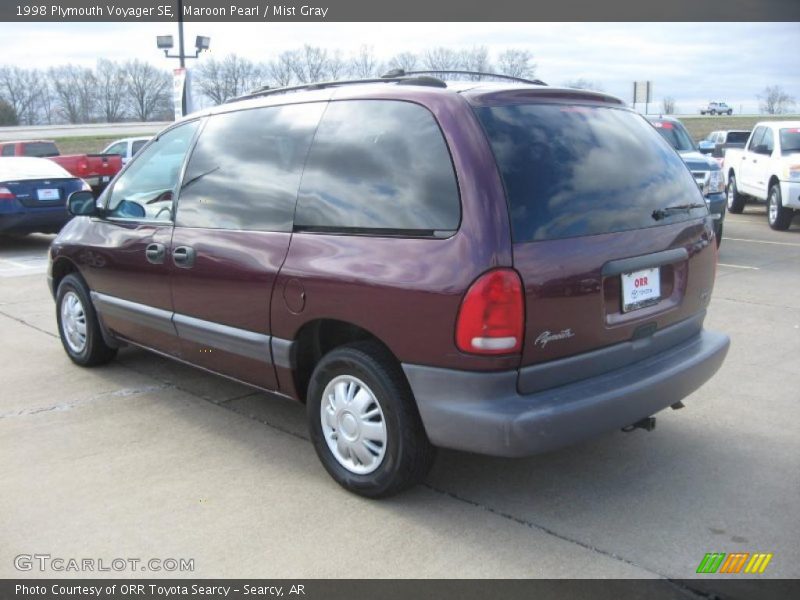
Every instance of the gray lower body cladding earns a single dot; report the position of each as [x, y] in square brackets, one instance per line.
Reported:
[486, 413]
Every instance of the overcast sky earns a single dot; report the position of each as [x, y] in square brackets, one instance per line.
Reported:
[692, 62]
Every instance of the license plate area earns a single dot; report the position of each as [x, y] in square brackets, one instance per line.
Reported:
[48, 194]
[640, 289]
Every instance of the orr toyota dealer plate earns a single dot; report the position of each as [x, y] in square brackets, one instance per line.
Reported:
[640, 289]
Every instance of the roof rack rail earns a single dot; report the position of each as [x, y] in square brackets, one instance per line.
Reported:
[405, 79]
[401, 73]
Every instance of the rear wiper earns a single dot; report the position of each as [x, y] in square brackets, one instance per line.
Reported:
[662, 213]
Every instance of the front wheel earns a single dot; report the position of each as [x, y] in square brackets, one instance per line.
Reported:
[735, 200]
[778, 216]
[364, 422]
[78, 326]
[730, 112]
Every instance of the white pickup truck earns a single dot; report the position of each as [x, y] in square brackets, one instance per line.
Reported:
[767, 169]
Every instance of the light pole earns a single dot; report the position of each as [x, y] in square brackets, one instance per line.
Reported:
[165, 43]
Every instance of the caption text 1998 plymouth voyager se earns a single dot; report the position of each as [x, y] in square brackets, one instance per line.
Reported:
[499, 268]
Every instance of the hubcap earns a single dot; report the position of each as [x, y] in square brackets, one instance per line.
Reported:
[353, 424]
[73, 322]
[773, 207]
[730, 194]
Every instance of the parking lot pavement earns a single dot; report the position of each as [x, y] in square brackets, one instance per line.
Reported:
[149, 458]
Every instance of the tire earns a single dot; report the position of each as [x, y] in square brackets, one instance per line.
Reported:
[713, 113]
[730, 112]
[381, 397]
[718, 232]
[736, 200]
[77, 325]
[778, 216]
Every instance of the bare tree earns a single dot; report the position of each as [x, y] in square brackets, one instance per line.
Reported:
[280, 71]
[7, 114]
[110, 90]
[441, 59]
[75, 90]
[336, 67]
[584, 84]
[364, 65]
[668, 105]
[309, 63]
[476, 59]
[407, 61]
[516, 63]
[775, 101]
[21, 89]
[148, 89]
[220, 80]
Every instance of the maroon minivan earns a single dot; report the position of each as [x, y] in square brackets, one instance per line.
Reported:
[499, 268]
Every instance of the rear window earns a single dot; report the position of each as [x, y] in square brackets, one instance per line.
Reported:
[40, 149]
[790, 140]
[573, 171]
[738, 137]
[675, 134]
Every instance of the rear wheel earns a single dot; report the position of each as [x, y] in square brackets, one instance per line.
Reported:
[736, 200]
[730, 112]
[78, 326]
[778, 216]
[364, 423]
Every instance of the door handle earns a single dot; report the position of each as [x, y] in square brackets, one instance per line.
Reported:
[183, 256]
[155, 253]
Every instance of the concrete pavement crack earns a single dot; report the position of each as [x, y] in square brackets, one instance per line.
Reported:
[542, 528]
[31, 325]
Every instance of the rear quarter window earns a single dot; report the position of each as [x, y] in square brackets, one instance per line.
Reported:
[574, 171]
[378, 167]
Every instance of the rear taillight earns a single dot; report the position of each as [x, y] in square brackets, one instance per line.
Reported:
[6, 194]
[83, 167]
[492, 315]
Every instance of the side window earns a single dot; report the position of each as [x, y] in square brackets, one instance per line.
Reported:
[768, 140]
[137, 145]
[145, 189]
[378, 166]
[8, 150]
[118, 148]
[245, 169]
[755, 140]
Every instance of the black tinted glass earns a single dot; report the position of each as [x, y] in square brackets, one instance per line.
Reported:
[575, 170]
[755, 140]
[137, 145]
[738, 137]
[8, 150]
[378, 165]
[675, 134]
[245, 168]
[790, 139]
[40, 149]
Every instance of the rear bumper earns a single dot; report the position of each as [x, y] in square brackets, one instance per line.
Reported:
[790, 194]
[485, 413]
[34, 220]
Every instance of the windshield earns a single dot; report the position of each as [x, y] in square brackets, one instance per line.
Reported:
[790, 140]
[584, 170]
[675, 135]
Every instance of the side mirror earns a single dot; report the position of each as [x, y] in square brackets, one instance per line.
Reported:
[706, 149]
[81, 204]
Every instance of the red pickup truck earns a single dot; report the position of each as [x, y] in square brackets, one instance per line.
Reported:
[95, 169]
